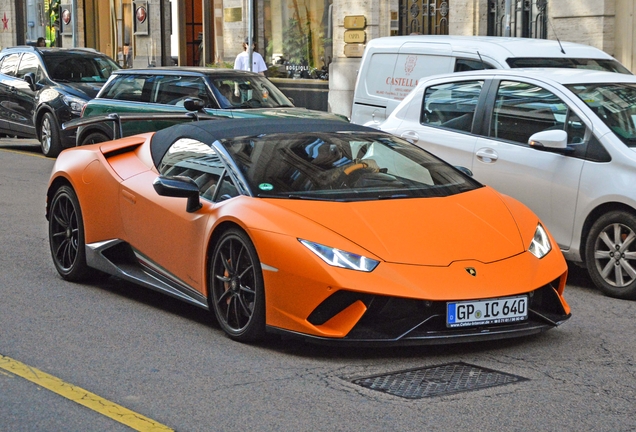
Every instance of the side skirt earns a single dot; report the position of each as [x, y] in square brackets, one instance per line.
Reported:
[119, 259]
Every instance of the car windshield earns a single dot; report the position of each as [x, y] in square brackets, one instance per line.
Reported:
[343, 167]
[570, 63]
[240, 91]
[67, 67]
[614, 104]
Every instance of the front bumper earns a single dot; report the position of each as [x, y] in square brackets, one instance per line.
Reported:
[397, 321]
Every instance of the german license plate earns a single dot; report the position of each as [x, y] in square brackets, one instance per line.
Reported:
[483, 312]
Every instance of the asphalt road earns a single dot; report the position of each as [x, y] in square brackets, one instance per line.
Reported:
[171, 363]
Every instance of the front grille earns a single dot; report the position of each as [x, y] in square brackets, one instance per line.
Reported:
[439, 380]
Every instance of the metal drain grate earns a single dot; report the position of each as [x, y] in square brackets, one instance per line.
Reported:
[437, 380]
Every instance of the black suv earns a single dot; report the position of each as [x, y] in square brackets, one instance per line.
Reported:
[41, 88]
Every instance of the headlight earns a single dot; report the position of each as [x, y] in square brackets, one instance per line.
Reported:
[339, 258]
[75, 104]
[540, 244]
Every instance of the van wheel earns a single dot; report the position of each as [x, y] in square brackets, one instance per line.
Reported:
[610, 254]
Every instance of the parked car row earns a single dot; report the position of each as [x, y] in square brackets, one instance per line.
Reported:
[361, 207]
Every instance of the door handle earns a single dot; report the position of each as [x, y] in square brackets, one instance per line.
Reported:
[410, 136]
[487, 155]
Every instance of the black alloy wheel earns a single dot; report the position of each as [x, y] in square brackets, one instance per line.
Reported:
[66, 235]
[236, 287]
[611, 254]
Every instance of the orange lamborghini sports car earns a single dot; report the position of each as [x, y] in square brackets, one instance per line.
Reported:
[324, 230]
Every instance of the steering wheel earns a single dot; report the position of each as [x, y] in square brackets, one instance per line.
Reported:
[354, 172]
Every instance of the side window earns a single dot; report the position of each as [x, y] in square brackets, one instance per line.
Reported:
[9, 64]
[194, 159]
[126, 88]
[451, 105]
[463, 65]
[523, 109]
[29, 64]
[174, 90]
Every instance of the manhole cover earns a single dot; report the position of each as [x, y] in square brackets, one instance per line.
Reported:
[437, 380]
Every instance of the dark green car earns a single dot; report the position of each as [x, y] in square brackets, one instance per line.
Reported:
[223, 92]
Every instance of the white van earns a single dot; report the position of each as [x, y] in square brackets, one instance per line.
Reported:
[391, 66]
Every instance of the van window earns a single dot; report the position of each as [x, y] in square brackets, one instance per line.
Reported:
[572, 63]
[452, 105]
[463, 65]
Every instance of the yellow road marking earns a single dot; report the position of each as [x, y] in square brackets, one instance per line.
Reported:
[24, 153]
[81, 396]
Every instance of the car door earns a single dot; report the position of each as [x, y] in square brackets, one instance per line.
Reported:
[171, 240]
[7, 91]
[547, 182]
[451, 109]
[24, 95]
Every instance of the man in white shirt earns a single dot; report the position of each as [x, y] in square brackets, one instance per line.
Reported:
[242, 60]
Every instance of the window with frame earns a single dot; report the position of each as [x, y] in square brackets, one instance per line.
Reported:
[9, 64]
[452, 105]
[174, 89]
[29, 64]
[523, 109]
[200, 162]
[126, 88]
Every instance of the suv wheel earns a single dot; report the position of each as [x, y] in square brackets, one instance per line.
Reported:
[50, 136]
[610, 254]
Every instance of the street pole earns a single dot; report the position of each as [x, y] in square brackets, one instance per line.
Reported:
[75, 23]
[507, 12]
[250, 32]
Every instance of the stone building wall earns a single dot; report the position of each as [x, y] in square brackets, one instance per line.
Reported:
[7, 23]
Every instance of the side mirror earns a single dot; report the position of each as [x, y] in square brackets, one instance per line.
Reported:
[465, 170]
[29, 77]
[193, 104]
[549, 140]
[179, 187]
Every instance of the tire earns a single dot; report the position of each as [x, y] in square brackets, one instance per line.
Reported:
[50, 136]
[610, 254]
[94, 138]
[236, 288]
[66, 236]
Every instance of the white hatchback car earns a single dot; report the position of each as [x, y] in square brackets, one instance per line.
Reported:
[562, 141]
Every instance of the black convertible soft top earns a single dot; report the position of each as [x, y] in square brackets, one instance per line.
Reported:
[209, 131]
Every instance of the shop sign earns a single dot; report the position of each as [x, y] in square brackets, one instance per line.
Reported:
[353, 50]
[66, 24]
[355, 36]
[233, 14]
[141, 17]
[355, 22]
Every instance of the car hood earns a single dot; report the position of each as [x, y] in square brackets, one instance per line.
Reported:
[84, 90]
[475, 225]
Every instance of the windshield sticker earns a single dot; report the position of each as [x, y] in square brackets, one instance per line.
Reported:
[266, 186]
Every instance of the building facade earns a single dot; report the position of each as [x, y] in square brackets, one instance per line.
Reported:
[312, 47]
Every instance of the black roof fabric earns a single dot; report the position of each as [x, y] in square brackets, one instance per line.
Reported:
[209, 131]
